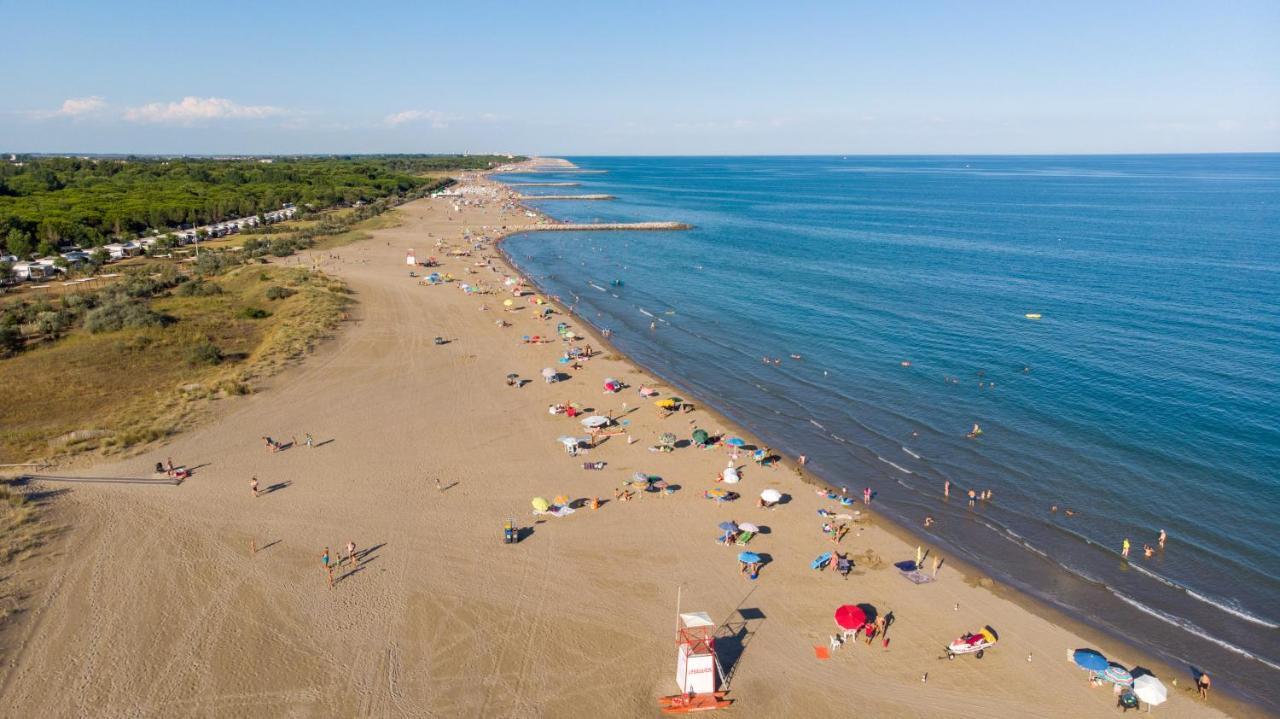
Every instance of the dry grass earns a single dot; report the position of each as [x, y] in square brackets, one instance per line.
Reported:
[116, 391]
[21, 533]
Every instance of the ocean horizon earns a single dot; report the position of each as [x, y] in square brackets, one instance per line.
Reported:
[1109, 322]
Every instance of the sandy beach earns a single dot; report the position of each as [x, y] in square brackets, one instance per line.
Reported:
[154, 605]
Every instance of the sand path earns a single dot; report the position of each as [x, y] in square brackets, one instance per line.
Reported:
[158, 609]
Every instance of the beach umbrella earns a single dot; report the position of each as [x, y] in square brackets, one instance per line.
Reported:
[700, 436]
[667, 438]
[595, 420]
[728, 526]
[748, 527]
[540, 504]
[660, 484]
[717, 494]
[548, 372]
[1150, 690]
[507, 303]
[640, 477]
[570, 441]
[748, 557]
[665, 403]
[1089, 659]
[730, 475]
[1117, 674]
[770, 495]
[736, 442]
[562, 500]
[850, 616]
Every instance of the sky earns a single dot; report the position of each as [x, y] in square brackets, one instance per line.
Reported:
[644, 78]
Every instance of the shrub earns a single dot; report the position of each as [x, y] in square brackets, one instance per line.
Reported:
[253, 313]
[10, 340]
[276, 292]
[281, 248]
[199, 288]
[214, 263]
[205, 353]
[118, 314]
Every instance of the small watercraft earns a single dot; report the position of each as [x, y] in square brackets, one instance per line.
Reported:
[1032, 315]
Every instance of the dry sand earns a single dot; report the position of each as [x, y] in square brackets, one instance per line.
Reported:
[156, 608]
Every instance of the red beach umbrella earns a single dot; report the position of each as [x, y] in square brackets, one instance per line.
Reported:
[849, 616]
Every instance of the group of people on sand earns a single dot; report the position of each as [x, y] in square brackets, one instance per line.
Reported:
[329, 565]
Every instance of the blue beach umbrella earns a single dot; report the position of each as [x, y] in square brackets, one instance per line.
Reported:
[728, 526]
[748, 557]
[1089, 659]
[736, 442]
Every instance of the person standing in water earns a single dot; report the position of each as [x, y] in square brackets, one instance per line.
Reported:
[1124, 548]
[1163, 537]
[946, 488]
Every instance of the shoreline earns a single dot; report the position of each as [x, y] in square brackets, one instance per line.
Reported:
[973, 573]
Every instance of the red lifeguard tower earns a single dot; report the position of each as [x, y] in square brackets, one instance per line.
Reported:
[698, 671]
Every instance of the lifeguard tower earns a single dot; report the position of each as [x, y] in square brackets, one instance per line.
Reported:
[411, 259]
[698, 671]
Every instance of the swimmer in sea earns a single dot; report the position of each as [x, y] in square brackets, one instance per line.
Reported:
[928, 521]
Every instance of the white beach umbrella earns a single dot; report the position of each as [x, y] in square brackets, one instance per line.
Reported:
[748, 527]
[730, 475]
[771, 495]
[1150, 690]
[595, 420]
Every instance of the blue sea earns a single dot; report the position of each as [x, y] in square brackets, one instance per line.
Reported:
[1146, 397]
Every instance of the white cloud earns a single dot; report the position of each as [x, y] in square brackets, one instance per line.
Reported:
[73, 107]
[194, 109]
[436, 118]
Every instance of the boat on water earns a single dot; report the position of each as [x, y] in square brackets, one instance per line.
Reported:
[1032, 315]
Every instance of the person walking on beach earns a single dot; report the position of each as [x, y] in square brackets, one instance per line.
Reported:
[253, 486]
[169, 466]
[310, 442]
[937, 564]
[1203, 682]
[1124, 548]
[328, 566]
[351, 553]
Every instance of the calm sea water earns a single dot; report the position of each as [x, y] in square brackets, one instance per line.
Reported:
[1145, 398]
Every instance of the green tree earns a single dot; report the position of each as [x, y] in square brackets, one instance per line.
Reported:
[19, 243]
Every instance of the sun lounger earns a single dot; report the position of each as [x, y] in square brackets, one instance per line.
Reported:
[744, 538]
[915, 576]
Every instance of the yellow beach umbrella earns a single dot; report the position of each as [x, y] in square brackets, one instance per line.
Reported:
[665, 403]
[540, 504]
[508, 303]
[562, 500]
